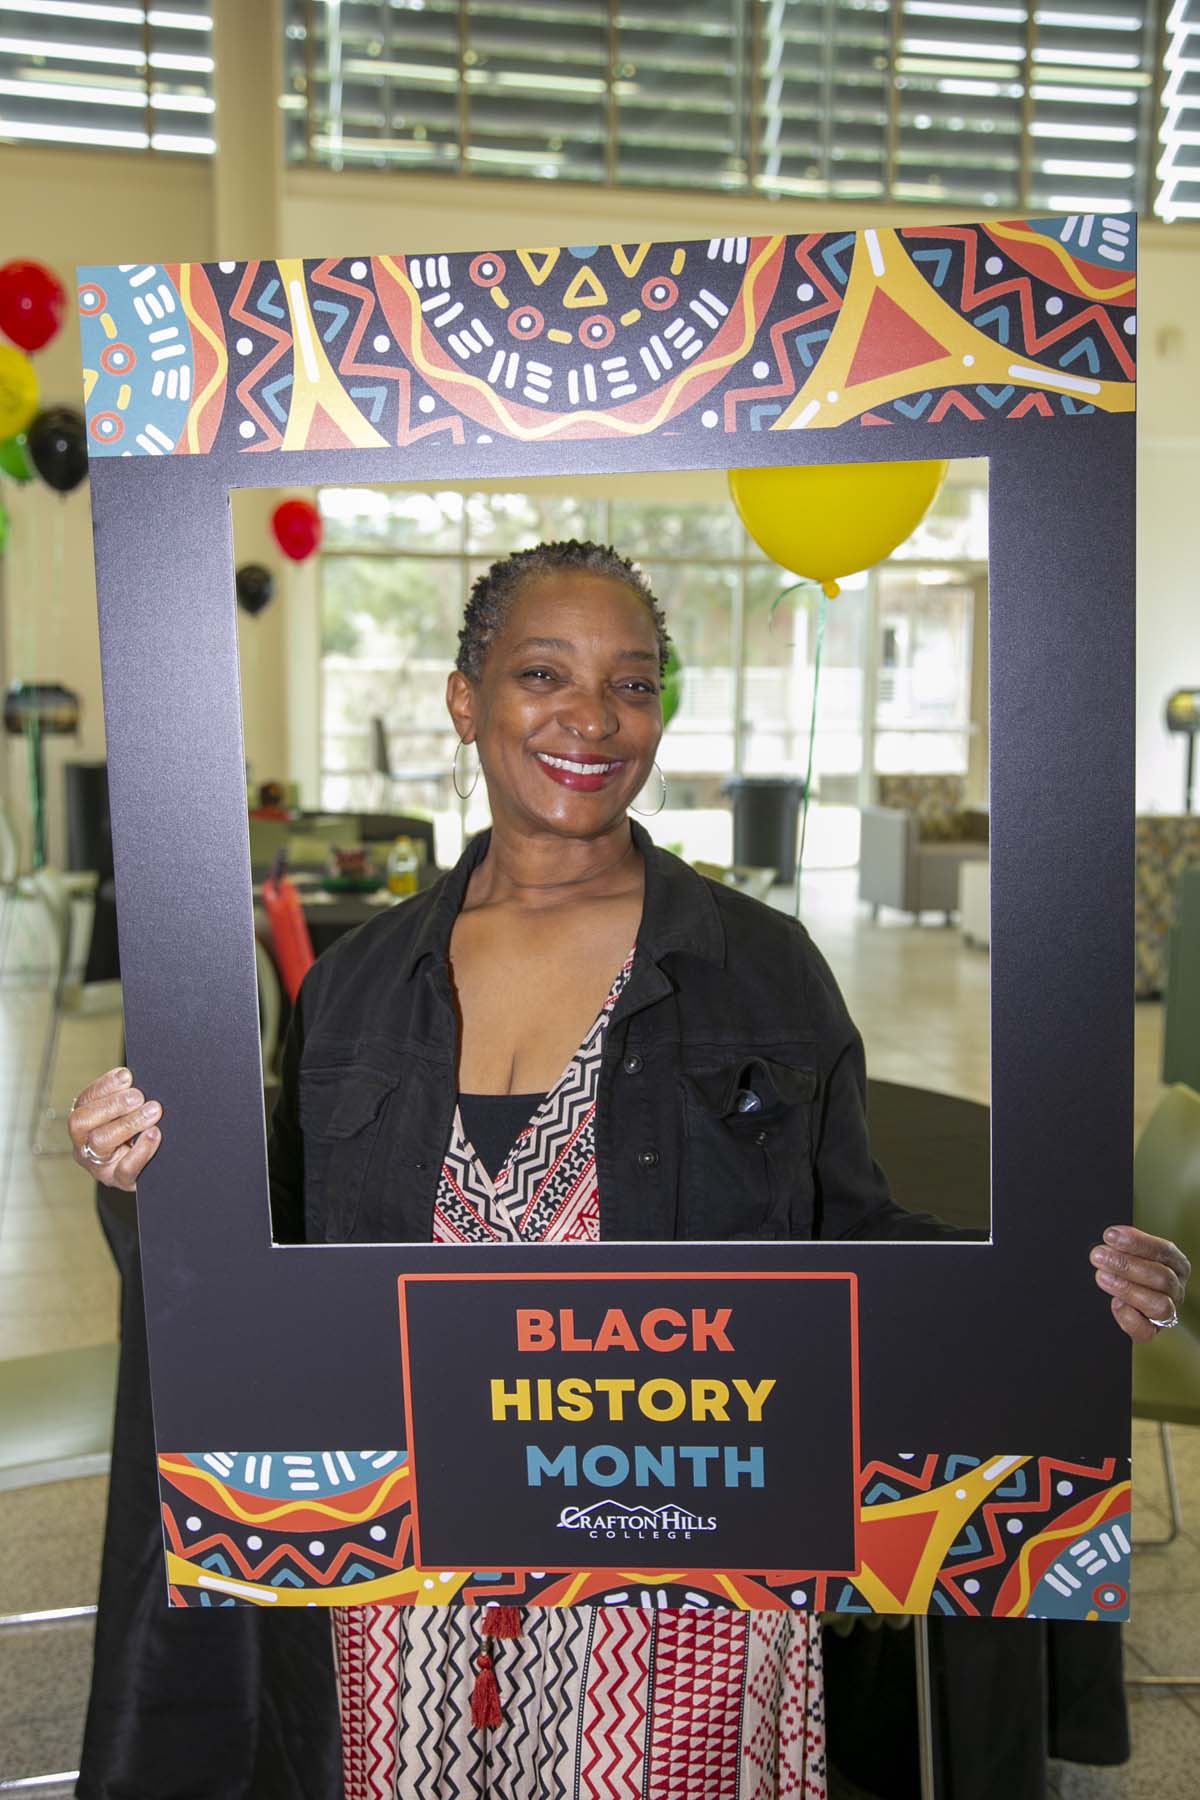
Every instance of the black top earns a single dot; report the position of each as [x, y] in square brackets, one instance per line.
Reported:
[491, 1123]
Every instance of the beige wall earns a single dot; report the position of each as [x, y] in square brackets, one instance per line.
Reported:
[65, 207]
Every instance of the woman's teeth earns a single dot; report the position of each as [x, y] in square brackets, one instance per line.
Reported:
[575, 768]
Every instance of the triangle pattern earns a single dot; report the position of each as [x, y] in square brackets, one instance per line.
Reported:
[630, 258]
[889, 342]
[892, 1548]
[325, 433]
[585, 289]
[537, 264]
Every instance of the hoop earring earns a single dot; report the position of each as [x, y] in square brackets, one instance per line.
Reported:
[650, 812]
[464, 793]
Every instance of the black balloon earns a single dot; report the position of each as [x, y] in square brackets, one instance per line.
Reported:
[53, 708]
[57, 445]
[255, 585]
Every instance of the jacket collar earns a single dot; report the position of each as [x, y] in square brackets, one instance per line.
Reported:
[679, 912]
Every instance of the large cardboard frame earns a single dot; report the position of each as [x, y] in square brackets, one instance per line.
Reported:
[991, 1454]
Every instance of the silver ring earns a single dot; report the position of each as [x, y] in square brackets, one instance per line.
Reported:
[86, 1151]
[1165, 1324]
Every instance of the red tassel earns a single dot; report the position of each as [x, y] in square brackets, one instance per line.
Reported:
[501, 1622]
[485, 1701]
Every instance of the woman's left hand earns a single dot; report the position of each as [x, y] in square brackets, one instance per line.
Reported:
[1144, 1277]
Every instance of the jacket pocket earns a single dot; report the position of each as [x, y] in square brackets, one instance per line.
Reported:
[341, 1110]
[748, 1171]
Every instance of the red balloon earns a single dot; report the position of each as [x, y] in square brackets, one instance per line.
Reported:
[31, 304]
[297, 528]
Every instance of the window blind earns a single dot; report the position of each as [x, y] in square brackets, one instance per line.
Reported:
[121, 76]
[958, 102]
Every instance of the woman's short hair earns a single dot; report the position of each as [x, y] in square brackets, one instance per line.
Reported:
[492, 595]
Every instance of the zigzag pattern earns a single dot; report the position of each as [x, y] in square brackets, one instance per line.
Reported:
[546, 1191]
[521, 1668]
[439, 1752]
[367, 1641]
[1014, 298]
[565, 1638]
[348, 1631]
[380, 1695]
[613, 1731]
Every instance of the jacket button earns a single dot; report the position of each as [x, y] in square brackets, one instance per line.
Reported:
[632, 1064]
[648, 1159]
[420, 1165]
[760, 1138]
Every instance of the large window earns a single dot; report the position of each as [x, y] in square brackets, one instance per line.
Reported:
[956, 102]
[895, 671]
[107, 73]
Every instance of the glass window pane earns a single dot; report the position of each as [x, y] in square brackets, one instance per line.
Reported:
[664, 529]
[389, 634]
[398, 519]
[780, 649]
[124, 77]
[499, 523]
[699, 603]
[923, 691]
[955, 527]
[821, 99]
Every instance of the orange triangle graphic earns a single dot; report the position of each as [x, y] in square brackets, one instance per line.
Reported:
[538, 263]
[585, 290]
[324, 433]
[630, 262]
[890, 341]
[892, 1547]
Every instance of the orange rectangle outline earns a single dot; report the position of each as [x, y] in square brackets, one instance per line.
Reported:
[846, 1275]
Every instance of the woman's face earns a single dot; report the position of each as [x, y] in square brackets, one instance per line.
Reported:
[567, 712]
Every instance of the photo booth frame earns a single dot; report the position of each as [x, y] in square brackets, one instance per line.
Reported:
[986, 1470]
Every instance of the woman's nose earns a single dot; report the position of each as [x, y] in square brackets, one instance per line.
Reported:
[590, 715]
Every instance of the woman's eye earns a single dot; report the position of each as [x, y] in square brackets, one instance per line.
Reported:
[537, 675]
[641, 687]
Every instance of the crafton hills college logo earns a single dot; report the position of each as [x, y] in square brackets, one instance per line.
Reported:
[612, 1519]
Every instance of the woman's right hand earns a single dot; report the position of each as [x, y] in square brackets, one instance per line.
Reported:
[114, 1130]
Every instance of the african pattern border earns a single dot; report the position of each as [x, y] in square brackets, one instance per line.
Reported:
[619, 341]
[955, 1534]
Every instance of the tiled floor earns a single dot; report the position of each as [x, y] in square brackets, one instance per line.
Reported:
[921, 1000]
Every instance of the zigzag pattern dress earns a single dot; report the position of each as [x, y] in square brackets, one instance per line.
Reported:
[599, 1703]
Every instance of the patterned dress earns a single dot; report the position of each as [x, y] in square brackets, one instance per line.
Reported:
[598, 1703]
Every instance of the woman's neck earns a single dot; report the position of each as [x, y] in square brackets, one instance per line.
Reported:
[542, 870]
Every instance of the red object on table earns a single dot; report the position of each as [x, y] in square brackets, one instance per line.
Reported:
[289, 928]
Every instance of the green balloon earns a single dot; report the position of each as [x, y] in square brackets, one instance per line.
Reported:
[14, 458]
[672, 688]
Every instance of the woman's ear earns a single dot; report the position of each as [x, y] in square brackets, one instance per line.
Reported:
[460, 703]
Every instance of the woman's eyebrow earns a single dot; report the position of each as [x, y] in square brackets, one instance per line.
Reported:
[550, 643]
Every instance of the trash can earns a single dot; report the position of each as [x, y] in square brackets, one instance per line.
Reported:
[765, 813]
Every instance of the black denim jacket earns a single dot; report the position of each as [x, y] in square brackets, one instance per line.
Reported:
[732, 1088]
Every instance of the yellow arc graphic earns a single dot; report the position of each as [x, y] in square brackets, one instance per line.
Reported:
[970, 357]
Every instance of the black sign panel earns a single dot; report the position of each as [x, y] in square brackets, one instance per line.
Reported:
[669, 1418]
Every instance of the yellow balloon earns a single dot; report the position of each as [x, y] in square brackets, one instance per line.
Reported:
[18, 391]
[824, 521]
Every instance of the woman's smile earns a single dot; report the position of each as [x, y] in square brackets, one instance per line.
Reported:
[586, 774]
